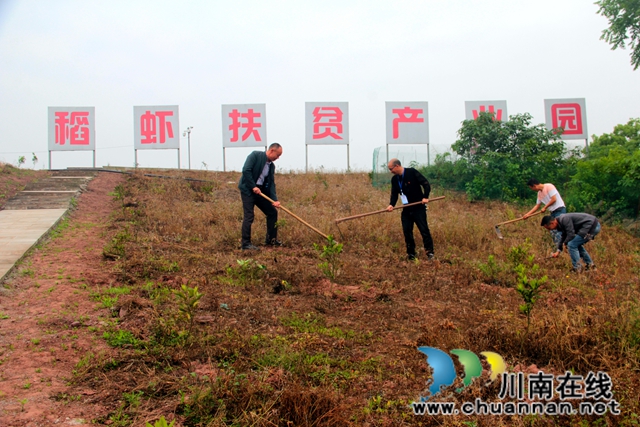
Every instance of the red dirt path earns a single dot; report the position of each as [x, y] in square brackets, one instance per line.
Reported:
[48, 321]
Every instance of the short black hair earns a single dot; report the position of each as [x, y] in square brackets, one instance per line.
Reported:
[546, 220]
[275, 145]
[532, 182]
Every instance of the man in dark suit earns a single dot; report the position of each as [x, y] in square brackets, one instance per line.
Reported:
[411, 186]
[258, 177]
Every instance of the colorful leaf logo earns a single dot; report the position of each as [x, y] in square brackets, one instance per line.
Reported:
[444, 372]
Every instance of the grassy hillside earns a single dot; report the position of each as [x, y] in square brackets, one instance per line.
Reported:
[13, 180]
[277, 338]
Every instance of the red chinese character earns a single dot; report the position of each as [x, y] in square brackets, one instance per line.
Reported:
[402, 118]
[498, 115]
[567, 117]
[250, 124]
[165, 126]
[79, 128]
[334, 116]
[149, 127]
[62, 131]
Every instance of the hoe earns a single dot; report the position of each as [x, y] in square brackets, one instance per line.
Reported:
[298, 218]
[497, 227]
[339, 220]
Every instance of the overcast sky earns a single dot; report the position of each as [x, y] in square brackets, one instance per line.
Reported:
[199, 55]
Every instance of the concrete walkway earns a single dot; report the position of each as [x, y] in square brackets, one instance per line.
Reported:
[20, 230]
[30, 214]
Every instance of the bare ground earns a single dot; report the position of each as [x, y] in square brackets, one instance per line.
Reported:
[46, 317]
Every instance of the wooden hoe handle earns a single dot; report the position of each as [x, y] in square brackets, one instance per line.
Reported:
[384, 210]
[297, 217]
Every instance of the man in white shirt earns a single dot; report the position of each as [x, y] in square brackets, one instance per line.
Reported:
[550, 200]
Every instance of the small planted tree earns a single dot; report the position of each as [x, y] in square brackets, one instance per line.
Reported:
[188, 299]
[330, 253]
[529, 289]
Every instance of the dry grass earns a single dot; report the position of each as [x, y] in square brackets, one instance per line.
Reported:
[278, 344]
[13, 180]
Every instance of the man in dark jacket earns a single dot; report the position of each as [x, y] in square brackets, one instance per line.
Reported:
[258, 177]
[576, 230]
[411, 186]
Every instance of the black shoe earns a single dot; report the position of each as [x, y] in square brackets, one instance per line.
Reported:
[590, 267]
[250, 247]
[273, 242]
[431, 256]
[411, 257]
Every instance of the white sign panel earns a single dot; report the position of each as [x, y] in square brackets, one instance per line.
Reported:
[326, 123]
[407, 122]
[72, 128]
[156, 127]
[473, 108]
[244, 125]
[569, 114]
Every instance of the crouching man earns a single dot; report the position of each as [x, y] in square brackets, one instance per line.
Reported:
[576, 230]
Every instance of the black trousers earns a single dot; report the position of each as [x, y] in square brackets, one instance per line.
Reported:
[419, 218]
[248, 204]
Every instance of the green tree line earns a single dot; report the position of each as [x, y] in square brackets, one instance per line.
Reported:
[495, 159]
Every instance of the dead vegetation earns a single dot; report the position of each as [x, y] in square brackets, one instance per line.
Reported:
[13, 180]
[208, 335]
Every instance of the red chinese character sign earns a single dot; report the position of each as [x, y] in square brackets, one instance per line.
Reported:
[498, 108]
[156, 127]
[407, 122]
[244, 125]
[72, 128]
[568, 114]
[326, 123]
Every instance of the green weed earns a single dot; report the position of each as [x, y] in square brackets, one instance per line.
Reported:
[310, 323]
[133, 399]
[120, 338]
[161, 423]
[247, 271]
[491, 269]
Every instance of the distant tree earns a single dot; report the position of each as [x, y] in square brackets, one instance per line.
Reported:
[498, 158]
[624, 26]
[607, 179]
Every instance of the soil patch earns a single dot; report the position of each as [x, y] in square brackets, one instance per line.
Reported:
[48, 320]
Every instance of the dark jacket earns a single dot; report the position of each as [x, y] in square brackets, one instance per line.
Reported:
[414, 186]
[573, 224]
[251, 172]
